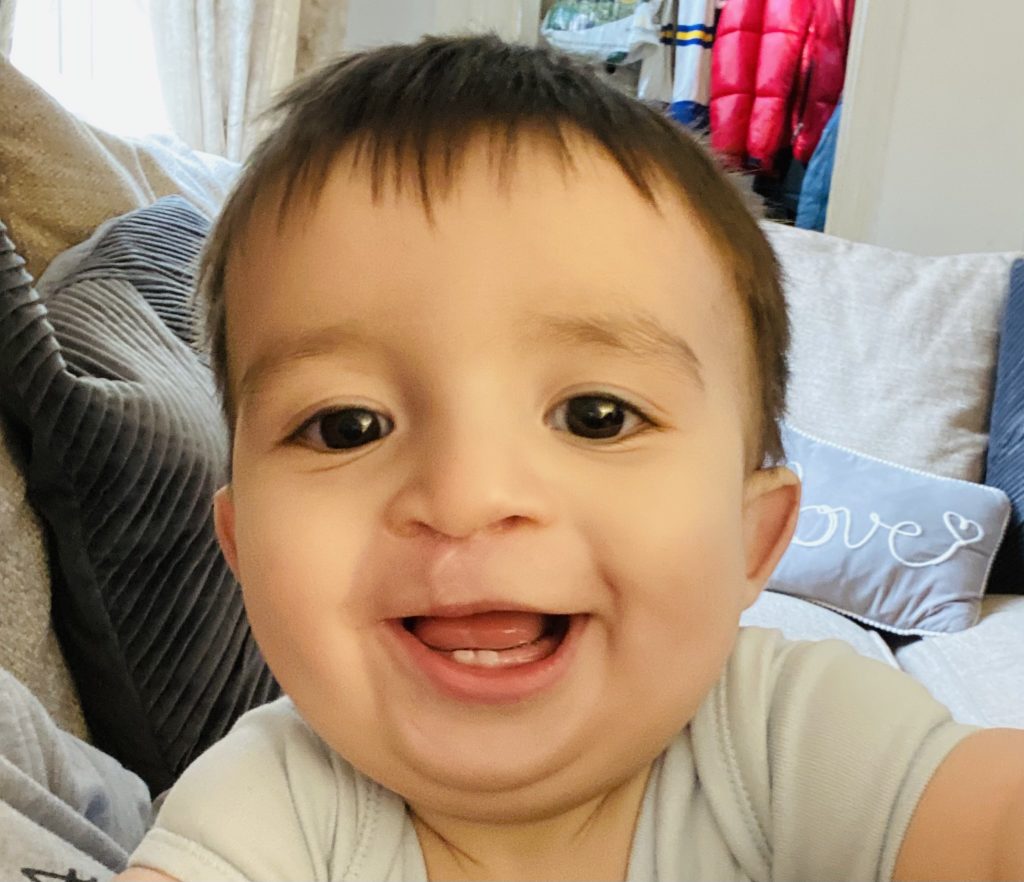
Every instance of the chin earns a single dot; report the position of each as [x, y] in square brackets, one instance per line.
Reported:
[492, 756]
[513, 797]
[510, 775]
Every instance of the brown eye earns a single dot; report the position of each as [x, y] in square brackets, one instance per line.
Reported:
[345, 429]
[597, 416]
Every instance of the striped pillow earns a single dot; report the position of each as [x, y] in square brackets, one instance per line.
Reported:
[1005, 462]
[127, 448]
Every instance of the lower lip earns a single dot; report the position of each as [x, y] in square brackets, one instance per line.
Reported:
[481, 685]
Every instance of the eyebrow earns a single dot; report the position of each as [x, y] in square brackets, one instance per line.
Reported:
[281, 352]
[634, 333]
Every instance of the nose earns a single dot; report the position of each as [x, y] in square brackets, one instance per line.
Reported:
[470, 479]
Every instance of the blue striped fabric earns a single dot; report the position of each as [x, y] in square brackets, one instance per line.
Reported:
[1005, 464]
[688, 34]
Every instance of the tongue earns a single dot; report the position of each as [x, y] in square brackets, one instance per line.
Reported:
[490, 630]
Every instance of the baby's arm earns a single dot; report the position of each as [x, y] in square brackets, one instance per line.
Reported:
[969, 823]
[141, 874]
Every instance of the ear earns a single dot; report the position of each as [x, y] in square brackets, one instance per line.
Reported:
[770, 510]
[224, 524]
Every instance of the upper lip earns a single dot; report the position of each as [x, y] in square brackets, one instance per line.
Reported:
[459, 610]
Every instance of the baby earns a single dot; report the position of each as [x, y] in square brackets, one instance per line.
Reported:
[503, 355]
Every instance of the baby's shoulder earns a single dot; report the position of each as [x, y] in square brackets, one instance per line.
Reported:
[782, 741]
[766, 668]
[273, 729]
[270, 799]
[774, 692]
[273, 754]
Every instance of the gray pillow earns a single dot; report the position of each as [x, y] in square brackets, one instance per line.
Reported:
[126, 448]
[893, 353]
[893, 547]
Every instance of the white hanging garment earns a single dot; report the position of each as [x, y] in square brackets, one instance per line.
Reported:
[678, 72]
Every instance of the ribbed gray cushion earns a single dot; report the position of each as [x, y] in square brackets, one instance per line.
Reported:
[127, 449]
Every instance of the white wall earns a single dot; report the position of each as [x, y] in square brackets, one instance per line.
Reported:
[375, 22]
[512, 19]
[930, 156]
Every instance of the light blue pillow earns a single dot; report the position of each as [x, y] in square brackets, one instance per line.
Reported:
[893, 547]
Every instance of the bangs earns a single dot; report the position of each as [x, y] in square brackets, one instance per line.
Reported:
[407, 115]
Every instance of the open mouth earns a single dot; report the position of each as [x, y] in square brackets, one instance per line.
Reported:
[493, 640]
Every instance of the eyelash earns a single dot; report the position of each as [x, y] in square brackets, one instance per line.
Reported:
[300, 435]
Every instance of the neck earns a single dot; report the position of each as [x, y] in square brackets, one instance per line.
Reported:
[589, 841]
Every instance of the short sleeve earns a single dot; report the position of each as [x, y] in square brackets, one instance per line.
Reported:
[262, 803]
[822, 756]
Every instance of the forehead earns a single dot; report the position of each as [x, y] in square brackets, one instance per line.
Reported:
[506, 244]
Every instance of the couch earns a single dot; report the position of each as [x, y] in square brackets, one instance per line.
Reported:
[896, 361]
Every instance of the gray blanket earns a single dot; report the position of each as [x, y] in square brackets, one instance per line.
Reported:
[67, 811]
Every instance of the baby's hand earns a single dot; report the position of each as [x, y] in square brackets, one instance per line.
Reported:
[142, 874]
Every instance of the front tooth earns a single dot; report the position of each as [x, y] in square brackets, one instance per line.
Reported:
[488, 658]
[482, 658]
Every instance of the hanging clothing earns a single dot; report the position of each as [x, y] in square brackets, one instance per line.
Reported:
[813, 206]
[776, 76]
[678, 71]
[690, 36]
[823, 70]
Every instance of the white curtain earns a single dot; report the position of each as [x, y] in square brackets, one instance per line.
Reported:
[221, 62]
[6, 25]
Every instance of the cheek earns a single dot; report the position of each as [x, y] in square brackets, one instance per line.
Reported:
[681, 521]
[295, 555]
[677, 577]
[674, 555]
[294, 532]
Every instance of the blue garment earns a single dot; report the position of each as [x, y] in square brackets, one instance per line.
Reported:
[1005, 465]
[691, 113]
[67, 811]
[810, 213]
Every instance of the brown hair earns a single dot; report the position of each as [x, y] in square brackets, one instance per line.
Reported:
[411, 111]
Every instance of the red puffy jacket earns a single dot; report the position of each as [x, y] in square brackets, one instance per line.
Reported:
[777, 72]
[822, 72]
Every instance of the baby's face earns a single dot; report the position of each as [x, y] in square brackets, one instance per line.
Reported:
[488, 508]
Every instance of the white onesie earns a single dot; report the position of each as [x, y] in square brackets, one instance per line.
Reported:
[805, 761]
